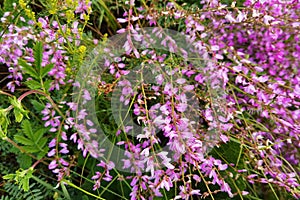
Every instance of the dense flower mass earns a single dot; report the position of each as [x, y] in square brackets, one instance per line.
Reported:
[190, 101]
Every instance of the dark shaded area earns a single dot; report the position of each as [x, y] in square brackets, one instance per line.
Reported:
[3, 76]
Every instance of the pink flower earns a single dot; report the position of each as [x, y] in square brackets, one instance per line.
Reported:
[51, 153]
[63, 162]
[86, 95]
[52, 165]
[224, 138]
[121, 20]
[52, 143]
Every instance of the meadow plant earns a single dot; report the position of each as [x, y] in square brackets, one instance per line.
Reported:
[184, 101]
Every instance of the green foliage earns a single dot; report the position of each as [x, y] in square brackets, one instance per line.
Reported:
[24, 160]
[102, 11]
[36, 191]
[15, 13]
[19, 111]
[232, 152]
[38, 56]
[21, 178]
[8, 4]
[37, 72]
[28, 69]
[4, 122]
[33, 84]
[32, 141]
[4, 147]
[37, 105]
[5, 167]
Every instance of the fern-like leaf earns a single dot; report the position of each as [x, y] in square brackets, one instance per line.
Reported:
[33, 141]
[36, 192]
[38, 56]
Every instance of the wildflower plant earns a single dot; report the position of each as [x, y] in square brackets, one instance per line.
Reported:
[185, 100]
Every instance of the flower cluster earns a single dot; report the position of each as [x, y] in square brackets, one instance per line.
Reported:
[252, 52]
[230, 78]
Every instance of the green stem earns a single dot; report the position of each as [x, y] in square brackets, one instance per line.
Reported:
[82, 190]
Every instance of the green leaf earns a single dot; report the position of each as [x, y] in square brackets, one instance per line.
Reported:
[65, 191]
[85, 197]
[21, 177]
[2, 134]
[25, 181]
[15, 102]
[28, 69]
[39, 134]
[9, 177]
[27, 130]
[25, 184]
[47, 84]
[37, 105]
[33, 141]
[19, 112]
[24, 160]
[46, 69]
[22, 140]
[31, 149]
[4, 120]
[41, 154]
[18, 115]
[38, 56]
[32, 84]
[42, 142]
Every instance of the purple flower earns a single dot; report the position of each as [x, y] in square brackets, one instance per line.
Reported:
[52, 165]
[63, 162]
[86, 95]
[51, 153]
[52, 143]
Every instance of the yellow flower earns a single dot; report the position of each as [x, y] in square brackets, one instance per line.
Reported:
[69, 2]
[80, 31]
[22, 4]
[86, 17]
[53, 7]
[30, 14]
[39, 24]
[68, 70]
[68, 31]
[82, 49]
[69, 15]
[104, 38]
[52, 11]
